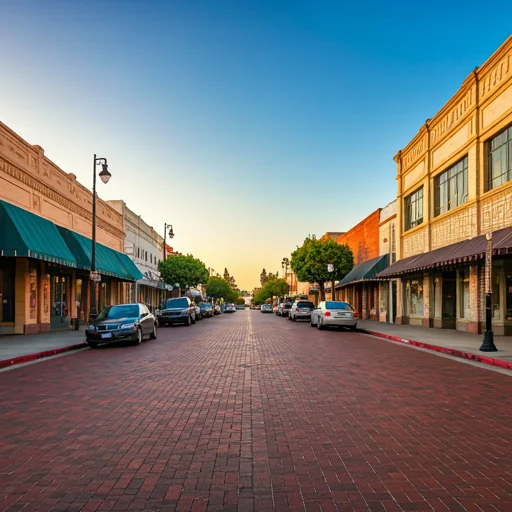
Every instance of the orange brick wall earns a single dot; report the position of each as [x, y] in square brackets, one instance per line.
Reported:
[363, 239]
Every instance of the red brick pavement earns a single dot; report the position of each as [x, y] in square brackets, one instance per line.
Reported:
[250, 412]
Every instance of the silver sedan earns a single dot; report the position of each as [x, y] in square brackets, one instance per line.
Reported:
[334, 313]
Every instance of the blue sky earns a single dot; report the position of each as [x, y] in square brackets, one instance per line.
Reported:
[245, 124]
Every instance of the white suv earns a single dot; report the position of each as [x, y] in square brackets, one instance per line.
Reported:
[301, 310]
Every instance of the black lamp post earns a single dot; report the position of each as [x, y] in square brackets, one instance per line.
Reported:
[95, 277]
[171, 235]
[488, 341]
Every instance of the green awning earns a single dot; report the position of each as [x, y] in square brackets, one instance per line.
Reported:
[27, 235]
[108, 261]
[365, 271]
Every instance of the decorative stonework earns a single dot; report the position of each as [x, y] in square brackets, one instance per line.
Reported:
[497, 75]
[496, 211]
[454, 228]
[51, 194]
[415, 243]
[452, 118]
[413, 154]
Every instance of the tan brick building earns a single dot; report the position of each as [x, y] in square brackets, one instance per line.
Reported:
[454, 187]
[45, 246]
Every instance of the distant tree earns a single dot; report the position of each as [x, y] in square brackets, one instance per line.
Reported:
[309, 262]
[240, 301]
[271, 276]
[218, 288]
[184, 270]
[274, 288]
[230, 279]
[263, 277]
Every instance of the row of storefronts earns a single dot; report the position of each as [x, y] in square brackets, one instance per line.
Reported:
[452, 217]
[45, 273]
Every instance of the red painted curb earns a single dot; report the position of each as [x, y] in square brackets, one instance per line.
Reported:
[445, 350]
[39, 355]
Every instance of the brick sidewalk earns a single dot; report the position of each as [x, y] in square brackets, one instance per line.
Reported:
[21, 348]
[249, 412]
[460, 343]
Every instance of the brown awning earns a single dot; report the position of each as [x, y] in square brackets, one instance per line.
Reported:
[461, 252]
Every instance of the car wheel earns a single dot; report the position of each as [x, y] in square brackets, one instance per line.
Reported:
[93, 344]
[311, 323]
[189, 321]
[153, 334]
[353, 327]
[294, 318]
[193, 318]
[139, 336]
[320, 326]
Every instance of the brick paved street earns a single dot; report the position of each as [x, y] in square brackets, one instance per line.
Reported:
[252, 412]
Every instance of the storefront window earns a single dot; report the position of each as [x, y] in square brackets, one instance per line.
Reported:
[7, 273]
[464, 293]
[104, 296]
[509, 297]
[496, 313]
[414, 297]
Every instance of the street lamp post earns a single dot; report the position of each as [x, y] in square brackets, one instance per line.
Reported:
[171, 236]
[330, 269]
[95, 277]
[488, 342]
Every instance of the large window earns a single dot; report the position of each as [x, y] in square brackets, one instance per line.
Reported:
[500, 159]
[414, 297]
[413, 206]
[451, 188]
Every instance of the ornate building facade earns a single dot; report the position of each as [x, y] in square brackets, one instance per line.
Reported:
[454, 188]
[45, 246]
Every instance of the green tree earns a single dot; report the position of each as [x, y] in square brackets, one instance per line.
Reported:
[185, 270]
[309, 262]
[229, 279]
[263, 277]
[217, 288]
[276, 287]
[240, 301]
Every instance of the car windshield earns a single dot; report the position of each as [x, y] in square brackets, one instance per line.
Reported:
[338, 305]
[309, 305]
[124, 311]
[176, 303]
[204, 305]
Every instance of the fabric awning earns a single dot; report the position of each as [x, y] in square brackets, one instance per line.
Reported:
[108, 261]
[461, 252]
[365, 271]
[27, 235]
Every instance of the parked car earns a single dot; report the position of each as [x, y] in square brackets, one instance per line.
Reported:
[180, 310]
[240, 308]
[229, 308]
[300, 310]
[266, 308]
[283, 309]
[199, 314]
[217, 310]
[206, 310]
[334, 313]
[124, 322]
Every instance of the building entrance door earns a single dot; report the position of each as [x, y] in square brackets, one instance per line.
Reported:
[449, 300]
[59, 313]
[7, 292]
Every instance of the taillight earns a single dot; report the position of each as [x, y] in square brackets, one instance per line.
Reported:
[327, 313]
[297, 309]
[356, 314]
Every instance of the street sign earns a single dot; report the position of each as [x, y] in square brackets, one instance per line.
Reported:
[95, 276]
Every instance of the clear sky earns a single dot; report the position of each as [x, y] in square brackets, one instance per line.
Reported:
[246, 124]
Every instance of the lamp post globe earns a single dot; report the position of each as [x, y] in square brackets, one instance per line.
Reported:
[105, 174]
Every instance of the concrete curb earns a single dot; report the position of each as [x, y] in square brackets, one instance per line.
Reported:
[445, 350]
[40, 355]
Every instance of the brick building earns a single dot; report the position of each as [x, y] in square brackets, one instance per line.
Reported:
[454, 189]
[359, 287]
[45, 249]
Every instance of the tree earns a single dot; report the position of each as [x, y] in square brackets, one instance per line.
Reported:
[263, 277]
[240, 301]
[229, 279]
[183, 270]
[276, 287]
[218, 288]
[271, 277]
[309, 262]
